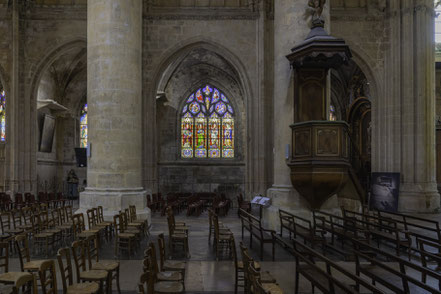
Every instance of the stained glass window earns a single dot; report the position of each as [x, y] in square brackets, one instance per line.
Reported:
[2, 115]
[207, 125]
[83, 127]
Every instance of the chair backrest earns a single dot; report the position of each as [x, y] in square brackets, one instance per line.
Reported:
[69, 213]
[92, 249]
[127, 219]
[62, 215]
[161, 246]
[79, 257]
[78, 218]
[96, 219]
[90, 218]
[132, 211]
[65, 266]
[246, 260]
[26, 214]
[5, 221]
[146, 279]
[22, 246]
[153, 258]
[48, 278]
[18, 198]
[118, 225]
[4, 256]
[254, 275]
[16, 218]
[100, 214]
[55, 221]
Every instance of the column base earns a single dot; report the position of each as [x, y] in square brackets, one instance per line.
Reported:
[115, 200]
[422, 198]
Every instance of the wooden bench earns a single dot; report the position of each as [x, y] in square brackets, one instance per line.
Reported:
[417, 227]
[395, 278]
[254, 226]
[381, 229]
[324, 279]
[339, 228]
[286, 221]
[305, 229]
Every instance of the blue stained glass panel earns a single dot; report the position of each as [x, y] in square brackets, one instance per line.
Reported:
[211, 109]
[184, 110]
[191, 98]
[83, 127]
[215, 96]
[194, 107]
[225, 99]
[208, 90]
[2, 115]
[221, 108]
[230, 109]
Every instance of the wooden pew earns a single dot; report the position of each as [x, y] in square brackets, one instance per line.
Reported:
[339, 228]
[254, 227]
[325, 279]
[395, 279]
[418, 227]
[381, 229]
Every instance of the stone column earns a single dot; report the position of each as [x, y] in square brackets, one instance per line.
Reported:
[114, 91]
[290, 28]
[418, 190]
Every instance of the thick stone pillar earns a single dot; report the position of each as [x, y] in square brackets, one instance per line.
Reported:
[114, 88]
[290, 29]
[418, 180]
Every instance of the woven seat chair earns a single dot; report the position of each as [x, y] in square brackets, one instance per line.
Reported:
[79, 252]
[151, 263]
[123, 240]
[169, 265]
[42, 237]
[66, 272]
[22, 247]
[112, 267]
[16, 279]
[148, 282]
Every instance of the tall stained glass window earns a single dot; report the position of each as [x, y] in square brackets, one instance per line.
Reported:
[2, 115]
[207, 125]
[83, 127]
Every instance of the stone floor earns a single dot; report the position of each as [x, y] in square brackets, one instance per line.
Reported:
[204, 273]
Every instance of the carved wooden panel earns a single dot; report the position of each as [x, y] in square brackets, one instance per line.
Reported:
[302, 142]
[327, 141]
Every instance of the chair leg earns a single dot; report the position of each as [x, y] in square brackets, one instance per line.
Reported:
[117, 280]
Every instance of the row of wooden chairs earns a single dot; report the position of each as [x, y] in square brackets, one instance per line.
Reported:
[221, 234]
[178, 233]
[51, 199]
[256, 281]
[167, 277]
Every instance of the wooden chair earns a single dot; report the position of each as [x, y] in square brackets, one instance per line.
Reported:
[66, 273]
[99, 276]
[265, 277]
[259, 287]
[112, 267]
[28, 220]
[133, 229]
[169, 265]
[42, 237]
[151, 263]
[100, 215]
[7, 224]
[66, 228]
[155, 287]
[80, 231]
[104, 226]
[48, 278]
[26, 264]
[17, 279]
[221, 241]
[135, 220]
[123, 240]
[177, 237]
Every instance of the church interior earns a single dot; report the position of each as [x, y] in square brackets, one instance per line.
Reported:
[220, 146]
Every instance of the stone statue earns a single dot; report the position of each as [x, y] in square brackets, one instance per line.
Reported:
[316, 10]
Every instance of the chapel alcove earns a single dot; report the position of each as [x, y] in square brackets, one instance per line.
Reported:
[182, 173]
[61, 96]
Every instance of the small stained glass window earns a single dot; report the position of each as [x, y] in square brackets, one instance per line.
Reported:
[83, 127]
[2, 115]
[207, 125]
